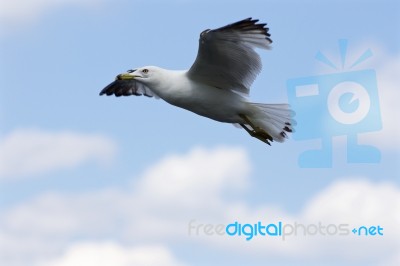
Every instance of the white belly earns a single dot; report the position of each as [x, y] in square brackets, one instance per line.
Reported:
[218, 104]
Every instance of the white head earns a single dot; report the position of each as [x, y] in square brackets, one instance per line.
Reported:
[148, 75]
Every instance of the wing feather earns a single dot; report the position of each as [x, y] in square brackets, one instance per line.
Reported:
[226, 57]
[127, 88]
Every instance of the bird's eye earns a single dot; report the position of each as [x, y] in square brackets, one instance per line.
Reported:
[145, 70]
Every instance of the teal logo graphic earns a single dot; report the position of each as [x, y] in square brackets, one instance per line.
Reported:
[337, 104]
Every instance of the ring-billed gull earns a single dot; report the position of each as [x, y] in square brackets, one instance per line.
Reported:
[218, 83]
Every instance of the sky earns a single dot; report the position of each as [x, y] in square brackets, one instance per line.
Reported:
[95, 180]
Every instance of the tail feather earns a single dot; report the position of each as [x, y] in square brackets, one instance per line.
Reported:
[275, 119]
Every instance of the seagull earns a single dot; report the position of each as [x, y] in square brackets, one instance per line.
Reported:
[218, 83]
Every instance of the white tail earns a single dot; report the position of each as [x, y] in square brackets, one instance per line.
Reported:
[275, 119]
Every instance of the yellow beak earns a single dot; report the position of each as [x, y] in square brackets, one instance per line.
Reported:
[125, 76]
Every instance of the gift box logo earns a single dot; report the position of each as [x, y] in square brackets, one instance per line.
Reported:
[342, 103]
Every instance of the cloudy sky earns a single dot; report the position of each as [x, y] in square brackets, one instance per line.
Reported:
[90, 180]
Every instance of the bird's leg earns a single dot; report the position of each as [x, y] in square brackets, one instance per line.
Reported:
[254, 134]
[256, 131]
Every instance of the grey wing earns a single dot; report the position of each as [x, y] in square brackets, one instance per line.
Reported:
[226, 58]
[127, 88]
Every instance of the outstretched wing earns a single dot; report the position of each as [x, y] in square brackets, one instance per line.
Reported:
[123, 87]
[226, 58]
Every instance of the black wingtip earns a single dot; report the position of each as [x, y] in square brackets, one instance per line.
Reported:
[248, 24]
[124, 87]
[117, 88]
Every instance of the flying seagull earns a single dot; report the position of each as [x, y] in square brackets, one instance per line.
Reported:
[218, 83]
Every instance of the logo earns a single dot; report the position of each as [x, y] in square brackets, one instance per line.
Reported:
[281, 230]
[342, 103]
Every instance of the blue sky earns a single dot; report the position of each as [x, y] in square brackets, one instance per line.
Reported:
[131, 164]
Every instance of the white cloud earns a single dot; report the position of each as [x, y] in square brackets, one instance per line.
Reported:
[16, 12]
[26, 153]
[111, 253]
[354, 201]
[179, 188]
[357, 202]
[157, 207]
[393, 260]
[387, 68]
[188, 176]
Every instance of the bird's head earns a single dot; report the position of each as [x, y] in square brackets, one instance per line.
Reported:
[146, 75]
